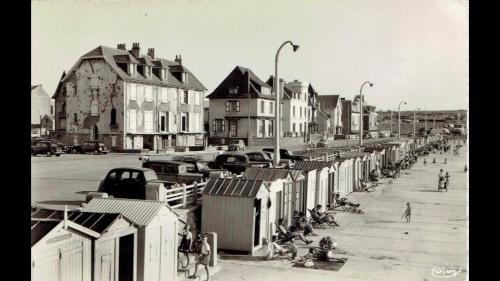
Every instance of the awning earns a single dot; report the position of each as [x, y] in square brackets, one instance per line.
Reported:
[90, 121]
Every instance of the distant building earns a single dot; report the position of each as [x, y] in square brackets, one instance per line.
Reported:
[241, 107]
[42, 112]
[295, 107]
[350, 116]
[129, 101]
[332, 105]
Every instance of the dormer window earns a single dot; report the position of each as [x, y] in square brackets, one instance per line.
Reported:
[233, 91]
[184, 77]
[147, 71]
[132, 68]
[163, 74]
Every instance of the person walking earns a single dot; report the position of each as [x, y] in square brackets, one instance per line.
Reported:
[442, 178]
[434, 160]
[447, 181]
[186, 242]
[204, 257]
[425, 161]
[407, 213]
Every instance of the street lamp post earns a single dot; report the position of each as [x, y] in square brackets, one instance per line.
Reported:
[399, 119]
[425, 122]
[390, 134]
[361, 112]
[277, 102]
[414, 121]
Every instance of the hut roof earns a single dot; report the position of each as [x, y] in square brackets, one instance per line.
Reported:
[237, 187]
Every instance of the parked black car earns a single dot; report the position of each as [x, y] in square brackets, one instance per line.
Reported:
[236, 163]
[46, 147]
[260, 156]
[95, 147]
[286, 154]
[175, 171]
[127, 182]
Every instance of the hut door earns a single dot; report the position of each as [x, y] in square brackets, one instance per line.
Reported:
[71, 262]
[257, 213]
[126, 258]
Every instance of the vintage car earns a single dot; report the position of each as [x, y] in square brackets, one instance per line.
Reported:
[175, 172]
[95, 147]
[285, 154]
[236, 163]
[127, 182]
[46, 147]
[236, 145]
[260, 156]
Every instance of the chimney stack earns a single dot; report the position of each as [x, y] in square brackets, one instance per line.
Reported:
[136, 50]
[342, 98]
[151, 52]
[178, 59]
[121, 46]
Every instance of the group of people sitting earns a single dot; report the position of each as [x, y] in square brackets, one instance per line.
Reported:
[283, 242]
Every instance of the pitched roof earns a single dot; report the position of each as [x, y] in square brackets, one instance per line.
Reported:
[237, 78]
[265, 174]
[287, 90]
[43, 221]
[114, 56]
[233, 187]
[312, 165]
[329, 101]
[140, 212]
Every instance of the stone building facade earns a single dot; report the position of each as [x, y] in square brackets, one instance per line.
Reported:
[129, 101]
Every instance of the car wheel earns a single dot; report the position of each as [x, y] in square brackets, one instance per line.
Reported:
[49, 154]
[96, 151]
[58, 155]
[73, 151]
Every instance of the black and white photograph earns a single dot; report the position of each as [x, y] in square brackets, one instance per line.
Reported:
[231, 140]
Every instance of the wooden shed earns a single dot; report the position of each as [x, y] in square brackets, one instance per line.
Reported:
[344, 176]
[114, 243]
[238, 210]
[156, 236]
[318, 178]
[60, 250]
[290, 181]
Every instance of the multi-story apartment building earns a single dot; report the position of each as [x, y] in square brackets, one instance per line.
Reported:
[129, 101]
[241, 107]
[294, 107]
[331, 105]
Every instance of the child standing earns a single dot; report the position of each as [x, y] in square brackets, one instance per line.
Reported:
[407, 213]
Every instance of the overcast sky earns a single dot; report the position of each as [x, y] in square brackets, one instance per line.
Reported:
[413, 50]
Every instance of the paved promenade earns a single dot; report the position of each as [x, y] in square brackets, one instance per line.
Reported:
[376, 243]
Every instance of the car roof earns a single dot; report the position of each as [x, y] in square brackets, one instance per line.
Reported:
[160, 161]
[132, 169]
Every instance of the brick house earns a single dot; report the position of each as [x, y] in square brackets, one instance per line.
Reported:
[129, 101]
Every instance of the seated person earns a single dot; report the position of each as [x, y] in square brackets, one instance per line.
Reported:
[294, 234]
[297, 221]
[275, 248]
[327, 243]
[327, 217]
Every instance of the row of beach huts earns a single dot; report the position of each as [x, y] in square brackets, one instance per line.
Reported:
[243, 210]
[113, 239]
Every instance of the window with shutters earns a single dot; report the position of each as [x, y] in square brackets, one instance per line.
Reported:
[232, 106]
[148, 121]
[262, 107]
[148, 95]
[185, 97]
[271, 127]
[271, 107]
[132, 118]
[218, 125]
[133, 92]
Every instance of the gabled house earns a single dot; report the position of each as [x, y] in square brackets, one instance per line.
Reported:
[129, 101]
[241, 107]
[332, 105]
[320, 120]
